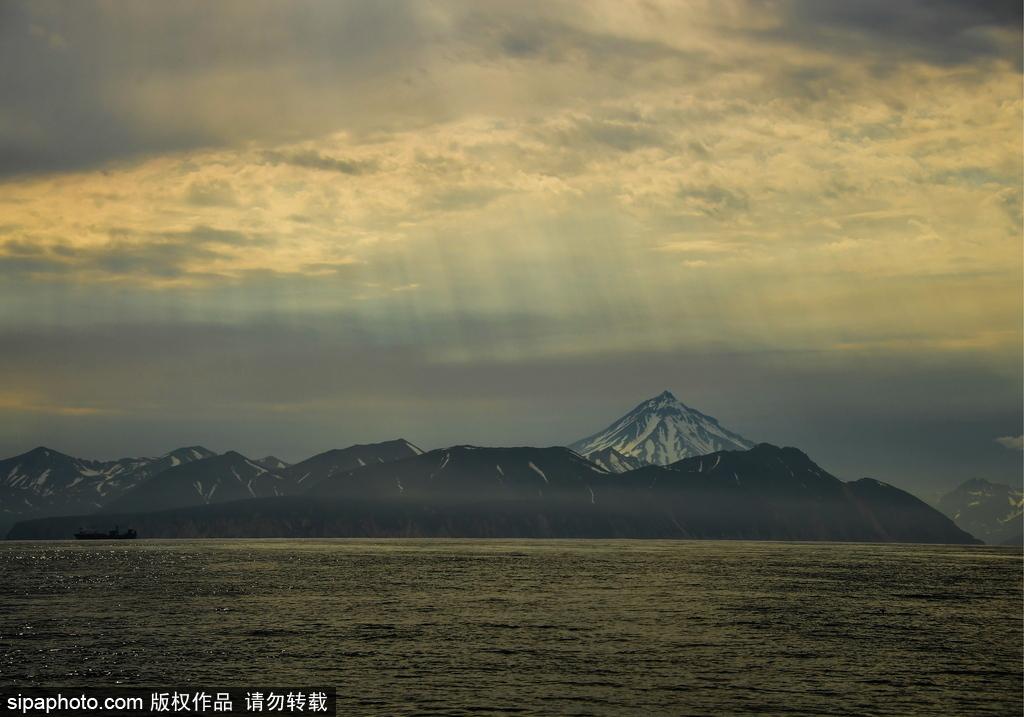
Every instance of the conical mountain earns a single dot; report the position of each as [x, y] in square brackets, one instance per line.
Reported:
[663, 430]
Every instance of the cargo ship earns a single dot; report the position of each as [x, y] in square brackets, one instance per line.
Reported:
[114, 534]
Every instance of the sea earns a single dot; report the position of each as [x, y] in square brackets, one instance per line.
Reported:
[527, 627]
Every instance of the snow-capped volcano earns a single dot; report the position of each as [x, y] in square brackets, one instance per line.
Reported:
[663, 430]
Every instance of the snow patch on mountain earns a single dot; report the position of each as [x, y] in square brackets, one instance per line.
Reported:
[538, 471]
[613, 461]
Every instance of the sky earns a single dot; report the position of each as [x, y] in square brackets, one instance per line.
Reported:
[287, 227]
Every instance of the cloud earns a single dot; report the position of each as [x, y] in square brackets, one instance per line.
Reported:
[714, 201]
[556, 35]
[212, 193]
[942, 32]
[128, 256]
[314, 160]
[19, 402]
[21, 248]
[99, 97]
[622, 133]
[491, 189]
[1014, 443]
[462, 198]
[85, 96]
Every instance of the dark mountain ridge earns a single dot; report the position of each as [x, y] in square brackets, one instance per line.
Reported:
[340, 460]
[43, 481]
[779, 493]
[466, 474]
[218, 479]
[766, 492]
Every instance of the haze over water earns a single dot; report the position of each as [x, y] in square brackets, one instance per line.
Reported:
[527, 627]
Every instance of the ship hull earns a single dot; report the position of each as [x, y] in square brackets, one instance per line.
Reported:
[112, 535]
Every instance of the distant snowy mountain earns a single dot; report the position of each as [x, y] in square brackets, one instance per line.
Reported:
[993, 512]
[47, 482]
[44, 482]
[660, 431]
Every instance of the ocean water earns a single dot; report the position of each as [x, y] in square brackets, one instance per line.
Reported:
[472, 627]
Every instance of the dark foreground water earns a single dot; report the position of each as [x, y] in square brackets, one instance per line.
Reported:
[528, 627]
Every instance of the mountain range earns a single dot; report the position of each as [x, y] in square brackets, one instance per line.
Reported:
[46, 482]
[217, 479]
[624, 486]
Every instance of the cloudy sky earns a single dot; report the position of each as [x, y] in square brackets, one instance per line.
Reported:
[285, 227]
